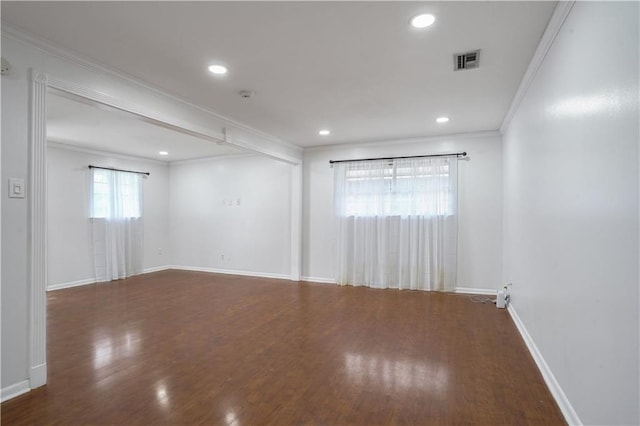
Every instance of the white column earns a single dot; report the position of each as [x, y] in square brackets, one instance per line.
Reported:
[37, 230]
[296, 221]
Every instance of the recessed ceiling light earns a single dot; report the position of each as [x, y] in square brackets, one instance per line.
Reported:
[218, 69]
[423, 21]
[324, 132]
[442, 119]
[163, 153]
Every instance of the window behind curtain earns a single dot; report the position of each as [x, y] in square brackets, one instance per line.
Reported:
[396, 223]
[117, 227]
[403, 187]
[115, 195]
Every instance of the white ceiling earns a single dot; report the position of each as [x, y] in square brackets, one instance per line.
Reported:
[356, 68]
[92, 126]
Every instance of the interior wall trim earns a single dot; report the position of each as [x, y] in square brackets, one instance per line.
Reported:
[231, 272]
[565, 406]
[398, 141]
[471, 290]
[38, 375]
[460, 290]
[318, 280]
[558, 17]
[70, 284]
[296, 221]
[94, 66]
[155, 269]
[75, 148]
[88, 281]
[14, 390]
[37, 228]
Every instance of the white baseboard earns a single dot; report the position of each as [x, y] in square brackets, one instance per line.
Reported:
[14, 390]
[156, 269]
[93, 280]
[318, 280]
[38, 376]
[471, 290]
[71, 284]
[569, 413]
[231, 272]
[464, 290]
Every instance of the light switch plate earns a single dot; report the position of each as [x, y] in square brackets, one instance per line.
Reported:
[16, 188]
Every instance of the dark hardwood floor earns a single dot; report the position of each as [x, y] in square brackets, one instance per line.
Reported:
[177, 347]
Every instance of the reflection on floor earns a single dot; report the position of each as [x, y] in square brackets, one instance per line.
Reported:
[395, 375]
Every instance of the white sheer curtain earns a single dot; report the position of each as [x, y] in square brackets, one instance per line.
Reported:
[396, 223]
[116, 216]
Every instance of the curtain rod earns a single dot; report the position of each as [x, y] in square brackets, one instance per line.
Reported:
[119, 170]
[456, 154]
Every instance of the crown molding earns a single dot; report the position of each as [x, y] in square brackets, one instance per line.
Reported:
[68, 146]
[558, 17]
[421, 139]
[77, 59]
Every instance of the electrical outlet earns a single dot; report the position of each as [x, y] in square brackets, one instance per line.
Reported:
[222, 257]
[159, 250]
[507, 294]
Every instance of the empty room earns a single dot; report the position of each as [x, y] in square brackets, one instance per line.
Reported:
[338, 213]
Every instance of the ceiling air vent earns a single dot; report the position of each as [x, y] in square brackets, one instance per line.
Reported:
[466, 61]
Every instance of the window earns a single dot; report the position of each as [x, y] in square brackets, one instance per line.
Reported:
[115, 194]
[396, 188]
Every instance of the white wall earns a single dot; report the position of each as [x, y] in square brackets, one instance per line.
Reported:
[206, 220]
[571, 211]
[239, 207]
[69, 244]
[15, 302]
[480, 203]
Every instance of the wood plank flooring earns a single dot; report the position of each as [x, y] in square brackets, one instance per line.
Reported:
[177, 347]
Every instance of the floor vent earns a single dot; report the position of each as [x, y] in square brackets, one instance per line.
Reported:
[466, 61]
